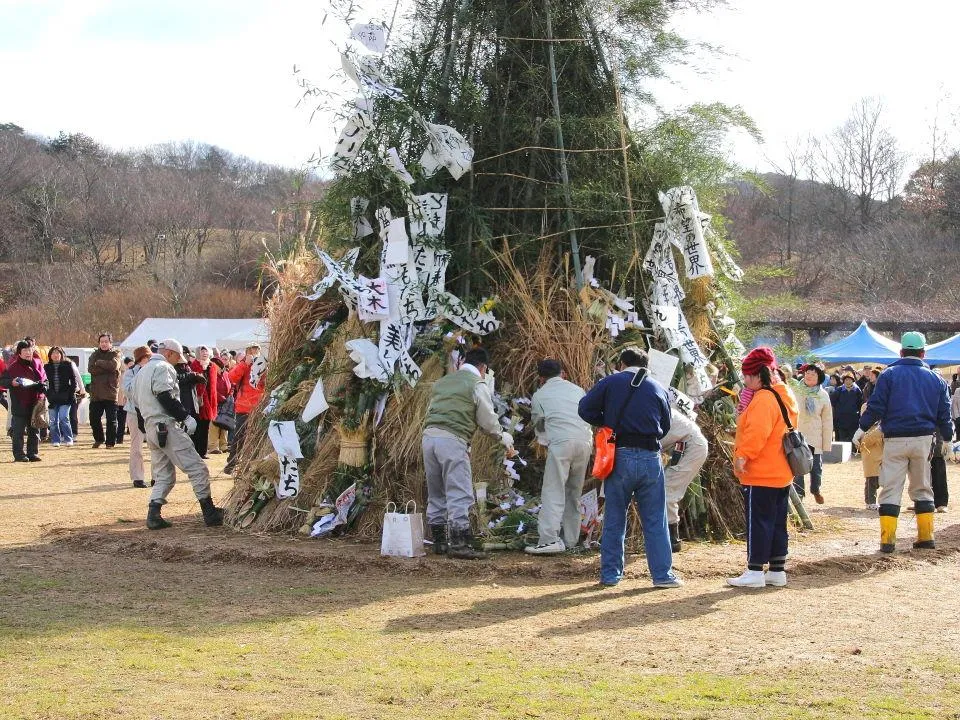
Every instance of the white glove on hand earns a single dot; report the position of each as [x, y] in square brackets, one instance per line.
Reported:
[857, 437]
[507, 440]
[190, 425]
[947, 448]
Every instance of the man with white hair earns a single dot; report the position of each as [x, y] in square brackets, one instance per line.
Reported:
[167, 427]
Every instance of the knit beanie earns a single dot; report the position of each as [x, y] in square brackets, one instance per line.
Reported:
[758, 358]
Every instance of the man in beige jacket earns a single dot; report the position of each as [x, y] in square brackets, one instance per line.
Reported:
[568, 439]
[816, 424]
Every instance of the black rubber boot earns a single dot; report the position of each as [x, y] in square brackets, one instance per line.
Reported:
[675, 544]
[154, 521]
[212, 515]
[439, 533]
[461, 546]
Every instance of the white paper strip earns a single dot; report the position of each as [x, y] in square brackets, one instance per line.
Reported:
[373, 37]
[374, 304]
[392, 160]
[683, 219]
[364, 72]
[448, 149]
[257, 368]
[283, 436]
[662, 366]
[351, 138]
[393, 342]
[398, 244]
[317, 403]
[289, 483]
[366, 357]
[358, 213]
[666, 317]
[474, 321]
[428, 215]
[682, 402]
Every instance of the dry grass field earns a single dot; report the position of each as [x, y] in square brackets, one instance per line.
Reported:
[100, 618]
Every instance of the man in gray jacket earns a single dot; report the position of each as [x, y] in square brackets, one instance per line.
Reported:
[156, 395]
[568, 439]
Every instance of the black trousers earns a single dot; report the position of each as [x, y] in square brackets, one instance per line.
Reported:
[238, 435]
[121, 423]
[766, 515]
[20, 427]
[74, 422]
[97, 410]
[201, 436]
[938, 478]
[845, 433]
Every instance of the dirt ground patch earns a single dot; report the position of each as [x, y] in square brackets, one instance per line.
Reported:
[234, 625]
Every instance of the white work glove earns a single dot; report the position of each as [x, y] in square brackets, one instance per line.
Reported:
[507, 440]
[190, 425]
[857, 437]
[947, 448]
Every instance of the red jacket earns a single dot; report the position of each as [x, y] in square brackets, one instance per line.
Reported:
[247, 395]
[209, 404]
[22, 399]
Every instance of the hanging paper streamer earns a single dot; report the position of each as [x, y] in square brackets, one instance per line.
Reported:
[588, 265]
[392, 160]
[373, 37]
[394, 341]
[352, 136]
[398, 244]
[682, 402]
[257, 368]
[363, 70]
[452, 308]
[289, 484]
[273, 402]
[616, 323]
[662, 366]
[435, 282]
[446, 148]
[358, 213]
[406, 299]
[367, 358]
[335, 271]
[683, 220]
[665, 317]
[283, 436]
[317, 404]
[408, 368]
[428, 215]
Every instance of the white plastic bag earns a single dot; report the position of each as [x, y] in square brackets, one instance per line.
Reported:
[402, 532]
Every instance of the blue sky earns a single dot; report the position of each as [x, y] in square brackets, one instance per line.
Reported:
[132, 73]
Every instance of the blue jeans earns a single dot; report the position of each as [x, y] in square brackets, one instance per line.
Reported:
[637, 475]
[60, 430]
[816, 475]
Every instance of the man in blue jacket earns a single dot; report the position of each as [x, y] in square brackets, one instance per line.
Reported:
[637, 409]
[911, 403]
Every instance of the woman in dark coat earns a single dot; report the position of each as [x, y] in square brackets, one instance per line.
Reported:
[61, 392]
[846, 401]
[27, 382]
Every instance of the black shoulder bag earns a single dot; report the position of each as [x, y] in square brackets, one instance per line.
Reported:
[799, 455]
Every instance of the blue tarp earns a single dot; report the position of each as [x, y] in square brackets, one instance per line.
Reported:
[862, 345]
[946, 352]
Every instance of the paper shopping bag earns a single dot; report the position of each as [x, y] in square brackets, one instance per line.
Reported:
[402, 532]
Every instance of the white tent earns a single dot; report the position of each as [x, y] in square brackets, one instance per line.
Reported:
[224, 333]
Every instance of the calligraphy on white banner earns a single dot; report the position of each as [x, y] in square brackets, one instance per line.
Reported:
[257, 368]
[374, 303]
[288, 485]
[682, 402]
[452, 308]
[394, 341]
[358, 213]
[392, 160]
[665, 317]
[683, 220]
[363, 70]
[446, 148]
[352, 136]
[428, 215]
[283, 436]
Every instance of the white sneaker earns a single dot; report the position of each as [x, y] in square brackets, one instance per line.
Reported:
[673, 582]
[749, 579]
[69, 443]
[942, 509]
[554, 548]
[776, 578]
[54, 444]
[873, 506]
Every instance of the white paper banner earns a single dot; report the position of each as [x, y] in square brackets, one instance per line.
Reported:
[364, 72]
[366, 357]
[358, 213]
[373, 305]
[392, 160]
[452, 308]
[394, 341]
[616, 323]
[317, 403]
[373, 37]
[398, 244]
[447, 148]
[683, 220]
[288, 485]
[662, 366]
[428, 215]
[283, 436]
[682, 402]
[257, 368]
[351, 138]
[666, 317]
